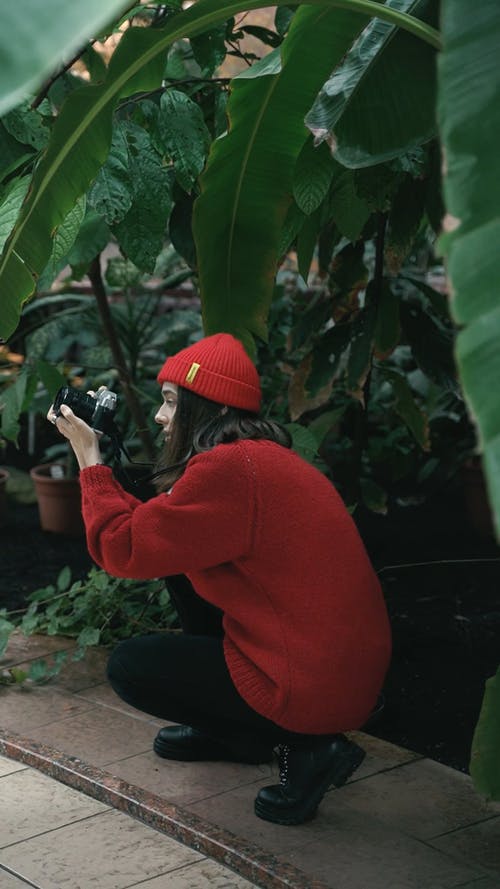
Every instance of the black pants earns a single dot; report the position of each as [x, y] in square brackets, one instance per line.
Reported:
[183, 678]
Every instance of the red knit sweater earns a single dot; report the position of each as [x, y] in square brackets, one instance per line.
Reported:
[266, 538]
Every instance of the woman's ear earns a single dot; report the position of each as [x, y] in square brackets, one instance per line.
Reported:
[224, 410]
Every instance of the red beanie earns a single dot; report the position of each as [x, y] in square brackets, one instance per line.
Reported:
[217, 367]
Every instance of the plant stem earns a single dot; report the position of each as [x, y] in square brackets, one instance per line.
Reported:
[374, 292]
[126, 381]
[46, 87]
[39, 604]
[371, 8]
[162, 288]
[172, 82]
[375, 296]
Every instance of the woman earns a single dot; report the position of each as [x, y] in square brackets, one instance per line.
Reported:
[286, 639]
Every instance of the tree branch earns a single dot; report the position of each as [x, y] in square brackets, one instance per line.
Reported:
[126, 381]
[46, 87]
[376, 291]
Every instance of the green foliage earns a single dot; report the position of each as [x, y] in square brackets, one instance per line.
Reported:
[52, 31]
[66, 344]
[13, 154]
[347, 208]
[81, 134]
[249, 174]
[312, 177]
[469, 120]
[379, 103]
[14, 400]
[305, 198]
[165, 136]
[387, 416]
[132, 193]
[63, 242]
[486, 742]
[98, 610]
[6, 628]
[12, 199]
[303, 442]
[30, 126]
[472, 194]
[184, 135]
[141, 231]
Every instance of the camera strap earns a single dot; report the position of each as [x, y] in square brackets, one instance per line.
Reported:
[118, 448]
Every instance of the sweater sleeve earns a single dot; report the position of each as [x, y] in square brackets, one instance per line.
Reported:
[206, 520]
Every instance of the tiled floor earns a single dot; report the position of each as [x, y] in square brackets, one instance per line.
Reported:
[52, 836]
[402, 822]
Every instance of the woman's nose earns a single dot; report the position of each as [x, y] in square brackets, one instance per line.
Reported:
[159, 418]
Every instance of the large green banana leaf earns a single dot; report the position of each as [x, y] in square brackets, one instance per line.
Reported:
[247, 185]
[37, 36]
[380, 102]
[82, 135]
[469, 120]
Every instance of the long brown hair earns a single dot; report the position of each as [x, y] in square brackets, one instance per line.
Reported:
[200, 424]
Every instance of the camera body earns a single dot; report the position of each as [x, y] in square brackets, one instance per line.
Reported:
[97, 411]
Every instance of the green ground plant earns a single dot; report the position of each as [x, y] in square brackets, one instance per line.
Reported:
[98, 610]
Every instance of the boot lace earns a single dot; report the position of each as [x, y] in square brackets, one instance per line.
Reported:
[283, 754]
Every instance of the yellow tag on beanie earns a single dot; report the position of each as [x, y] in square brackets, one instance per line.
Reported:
[193, 370]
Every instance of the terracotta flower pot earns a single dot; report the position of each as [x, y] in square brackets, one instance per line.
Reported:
[59, 501]
[4, 475]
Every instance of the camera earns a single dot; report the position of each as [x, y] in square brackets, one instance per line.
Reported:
[97, 411]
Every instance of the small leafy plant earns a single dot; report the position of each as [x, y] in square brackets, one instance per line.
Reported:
[98, 610]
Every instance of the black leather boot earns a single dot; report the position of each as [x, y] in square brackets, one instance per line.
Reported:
[181, 742]
[306, 773]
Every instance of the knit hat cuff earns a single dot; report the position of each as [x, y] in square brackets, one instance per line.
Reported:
[210, 384]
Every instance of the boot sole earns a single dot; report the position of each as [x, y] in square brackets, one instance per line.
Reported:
[345, 765]
[166, 751]
[178, 754]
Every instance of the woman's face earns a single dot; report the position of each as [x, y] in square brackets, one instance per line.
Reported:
[165, 415]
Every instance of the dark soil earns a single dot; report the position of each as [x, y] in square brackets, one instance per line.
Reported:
[32, 558]
[443, 597]
[445, 615]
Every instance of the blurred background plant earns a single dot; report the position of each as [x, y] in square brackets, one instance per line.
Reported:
[387, 420]
[359, 352]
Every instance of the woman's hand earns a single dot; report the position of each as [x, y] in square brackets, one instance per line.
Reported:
[82, 438]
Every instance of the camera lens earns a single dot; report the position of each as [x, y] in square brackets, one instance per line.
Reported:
[81, 404]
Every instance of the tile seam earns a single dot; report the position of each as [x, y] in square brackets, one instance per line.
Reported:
[246, 859]
[447, 833]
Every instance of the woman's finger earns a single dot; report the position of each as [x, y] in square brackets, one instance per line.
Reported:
[70, 416]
